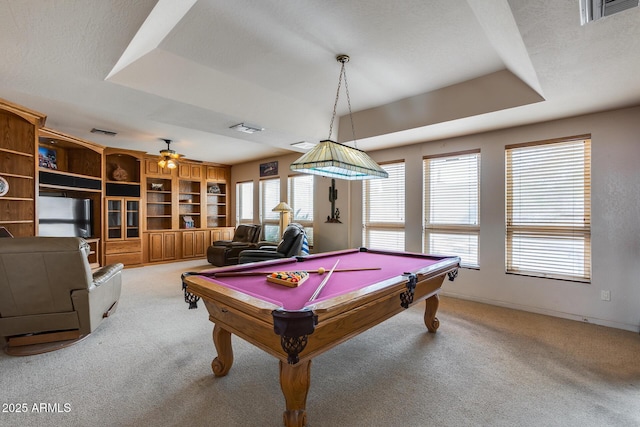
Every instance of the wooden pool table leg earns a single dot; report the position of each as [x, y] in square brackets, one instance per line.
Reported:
[295, 381]
[431, 308]
[222, 340]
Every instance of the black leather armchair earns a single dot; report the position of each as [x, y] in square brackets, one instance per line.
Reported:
[290, 245]
[225, 252]
[245, 233]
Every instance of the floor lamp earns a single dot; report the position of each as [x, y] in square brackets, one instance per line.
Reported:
[284, 210]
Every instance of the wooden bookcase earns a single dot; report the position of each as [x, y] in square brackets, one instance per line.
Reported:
[123, 241]
[123, 207]
[182, 209]
[72, 167]
[159, 196]
[189, 203]
[138, 208]
[18, 142]
[217, 183]
[217, 207]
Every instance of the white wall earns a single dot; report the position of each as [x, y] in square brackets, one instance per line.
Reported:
[328, 236]
[615, 218]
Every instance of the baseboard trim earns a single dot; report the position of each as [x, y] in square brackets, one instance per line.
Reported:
[553, 313]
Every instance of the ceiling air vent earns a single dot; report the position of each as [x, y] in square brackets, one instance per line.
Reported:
[590, 10]
[247, 128]
[103, 132]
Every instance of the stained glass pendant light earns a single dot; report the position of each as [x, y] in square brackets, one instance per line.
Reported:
[335, 160]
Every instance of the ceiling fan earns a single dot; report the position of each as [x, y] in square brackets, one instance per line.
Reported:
[168, 157]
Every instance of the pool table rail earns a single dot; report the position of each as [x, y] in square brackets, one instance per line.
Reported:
[343, 302]
[207, 289]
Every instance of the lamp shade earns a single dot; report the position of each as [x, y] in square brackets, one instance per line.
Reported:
[336, 160]
[282, 207]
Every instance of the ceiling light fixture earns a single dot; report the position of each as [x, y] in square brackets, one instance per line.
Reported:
[168, 157]
[304, 145]
[336, 160]
[243, 127]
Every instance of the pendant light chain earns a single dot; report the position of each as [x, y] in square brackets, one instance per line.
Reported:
[346, 88]
[335, 104]
[343, 59]
[334, 160]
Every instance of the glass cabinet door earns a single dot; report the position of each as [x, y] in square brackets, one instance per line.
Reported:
[114, 218]
[133, 218]
[123, 216]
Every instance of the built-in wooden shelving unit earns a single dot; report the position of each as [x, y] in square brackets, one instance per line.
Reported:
[140, 212]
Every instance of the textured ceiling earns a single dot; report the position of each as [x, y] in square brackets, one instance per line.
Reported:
[419, 70]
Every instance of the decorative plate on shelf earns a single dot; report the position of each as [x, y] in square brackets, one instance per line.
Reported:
[4, 186]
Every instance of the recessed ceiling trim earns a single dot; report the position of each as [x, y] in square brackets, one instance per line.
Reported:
[161, 21]
[497, 91]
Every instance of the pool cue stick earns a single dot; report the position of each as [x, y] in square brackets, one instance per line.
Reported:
[324, 282]
[261, 273]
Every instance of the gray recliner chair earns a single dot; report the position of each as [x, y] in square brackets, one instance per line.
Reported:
[290, 245]
[49, 297]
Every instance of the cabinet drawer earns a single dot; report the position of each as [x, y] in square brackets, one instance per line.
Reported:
[123, 247]
[126, 259]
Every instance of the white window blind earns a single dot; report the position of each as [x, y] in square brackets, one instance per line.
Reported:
[269, 199]
[451, 206]
[244, 202]
[301, 201]
[383, 209]
[548, 202]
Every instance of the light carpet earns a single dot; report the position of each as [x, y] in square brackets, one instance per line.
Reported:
[149, 364]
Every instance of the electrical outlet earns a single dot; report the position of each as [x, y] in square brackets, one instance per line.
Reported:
[605, 295]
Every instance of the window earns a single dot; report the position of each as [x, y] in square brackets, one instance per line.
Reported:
[383, 209]
[269, 199]
[301, 201]
[244, 203]
[451, 206]
[548, 192]
[590, 10]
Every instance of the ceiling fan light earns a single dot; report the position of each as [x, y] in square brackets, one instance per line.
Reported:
[168, 157]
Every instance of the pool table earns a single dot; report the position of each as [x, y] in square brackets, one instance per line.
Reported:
[367, 287]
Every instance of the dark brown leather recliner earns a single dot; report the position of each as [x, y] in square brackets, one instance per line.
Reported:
[290, 245]
[225, 252]
[49, 297]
